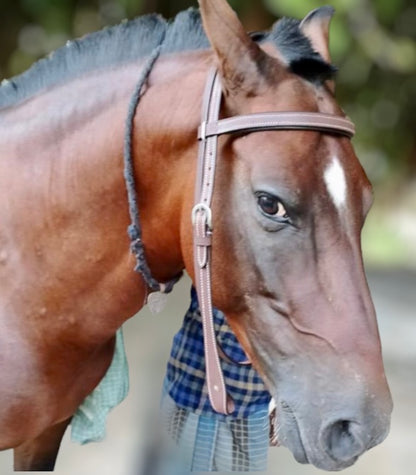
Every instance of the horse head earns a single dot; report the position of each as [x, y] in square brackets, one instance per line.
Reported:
[288, 272]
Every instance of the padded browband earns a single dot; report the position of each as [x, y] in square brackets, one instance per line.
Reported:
[327, 123]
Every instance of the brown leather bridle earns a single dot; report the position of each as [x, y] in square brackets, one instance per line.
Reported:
[211, 127]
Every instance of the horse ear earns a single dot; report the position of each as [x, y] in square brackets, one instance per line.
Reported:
[240, 60]
[315, 26]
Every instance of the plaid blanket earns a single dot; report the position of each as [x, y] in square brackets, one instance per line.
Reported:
[186, 383]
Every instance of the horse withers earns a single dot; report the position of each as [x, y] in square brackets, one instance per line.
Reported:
[288, 208]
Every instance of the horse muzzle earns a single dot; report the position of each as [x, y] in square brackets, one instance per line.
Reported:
[333, 441]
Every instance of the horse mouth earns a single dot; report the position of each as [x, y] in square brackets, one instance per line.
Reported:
[288, 433]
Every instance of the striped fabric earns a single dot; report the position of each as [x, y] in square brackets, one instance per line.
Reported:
[210, 443]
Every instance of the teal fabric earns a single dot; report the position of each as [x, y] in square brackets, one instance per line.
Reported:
[89, 422]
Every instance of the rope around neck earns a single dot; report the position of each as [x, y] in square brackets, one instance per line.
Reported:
[134, 229]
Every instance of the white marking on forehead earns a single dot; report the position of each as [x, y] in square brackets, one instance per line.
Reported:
[336, 183]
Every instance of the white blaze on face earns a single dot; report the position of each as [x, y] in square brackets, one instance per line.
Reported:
[336, 183]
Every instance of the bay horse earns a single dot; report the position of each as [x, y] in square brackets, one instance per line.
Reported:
[288, 208]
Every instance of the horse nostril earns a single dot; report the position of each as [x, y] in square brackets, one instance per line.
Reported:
[342, 440]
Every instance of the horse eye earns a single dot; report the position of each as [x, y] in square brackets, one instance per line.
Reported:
[271, 206]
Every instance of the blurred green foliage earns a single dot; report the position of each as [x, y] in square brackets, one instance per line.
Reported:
[372, 43]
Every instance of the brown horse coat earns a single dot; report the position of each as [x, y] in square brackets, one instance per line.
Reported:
[66, 272]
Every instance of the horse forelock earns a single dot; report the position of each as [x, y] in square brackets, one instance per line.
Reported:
[298, 52]
[135, 39]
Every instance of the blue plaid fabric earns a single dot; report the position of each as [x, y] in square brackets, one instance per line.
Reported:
[185, 378]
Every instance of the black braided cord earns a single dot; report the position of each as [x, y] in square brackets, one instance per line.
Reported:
[134, 229]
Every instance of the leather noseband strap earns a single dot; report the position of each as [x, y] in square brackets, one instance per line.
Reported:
[211, 127]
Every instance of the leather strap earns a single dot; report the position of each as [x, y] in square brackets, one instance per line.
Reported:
[278, 121]
[211, 127]
[202, 225]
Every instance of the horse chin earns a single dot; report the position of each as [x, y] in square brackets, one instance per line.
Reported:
[289, 432]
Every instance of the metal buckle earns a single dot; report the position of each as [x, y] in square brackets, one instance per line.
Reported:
[202, 132]
[203, 208]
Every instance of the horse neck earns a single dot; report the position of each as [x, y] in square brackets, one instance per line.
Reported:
[165, 145]
[76, 154]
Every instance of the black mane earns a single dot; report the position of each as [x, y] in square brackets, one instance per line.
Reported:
[135, 39]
